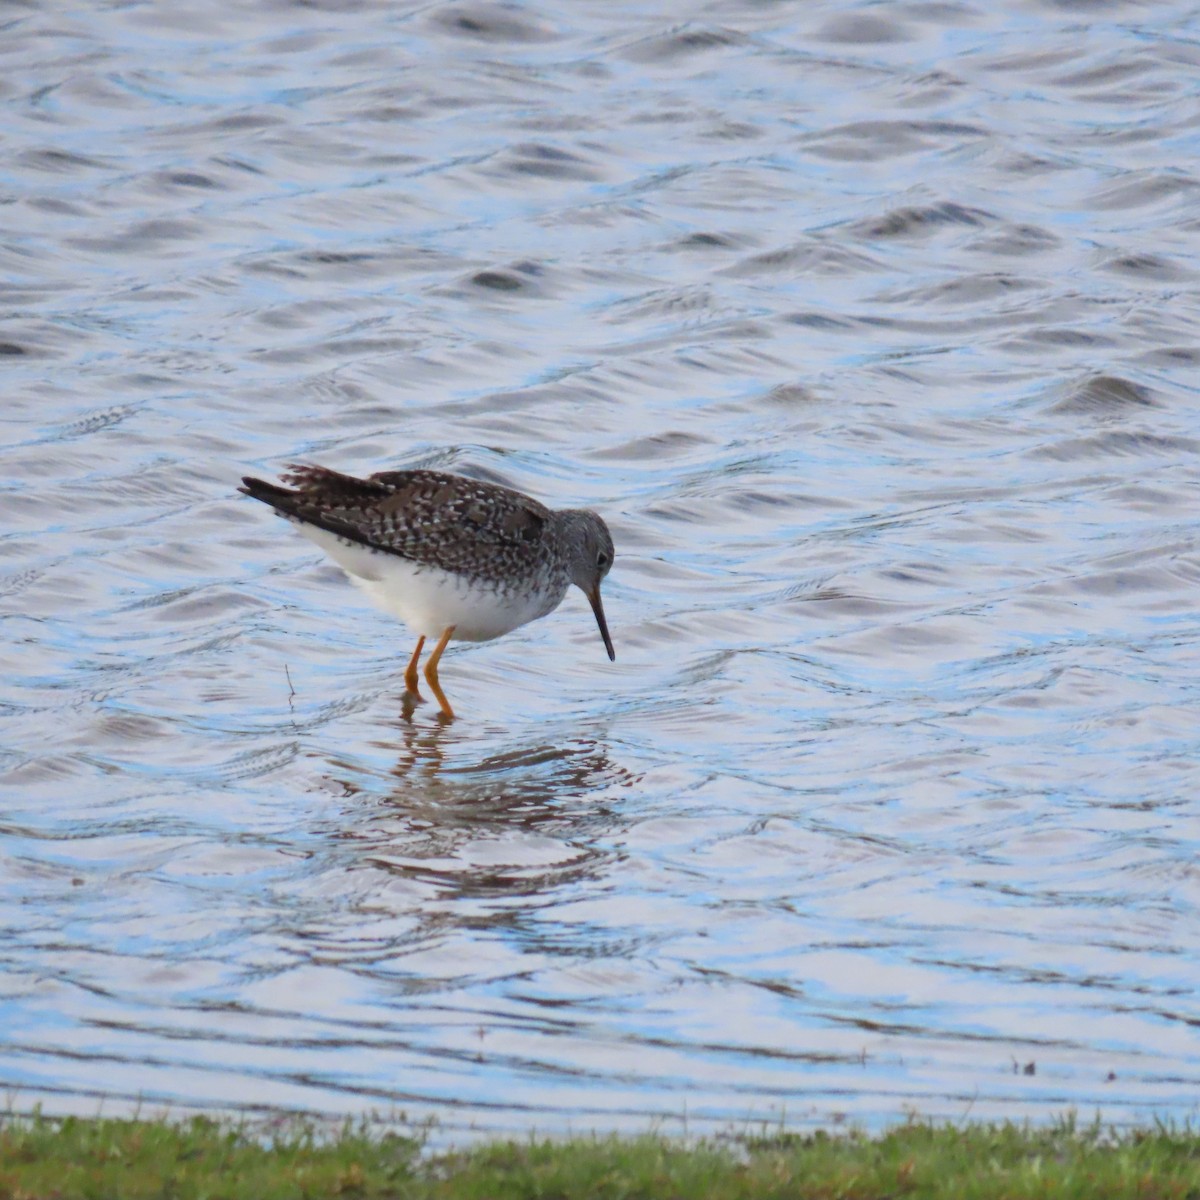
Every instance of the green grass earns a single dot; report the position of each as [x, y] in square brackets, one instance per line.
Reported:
[43, 1158]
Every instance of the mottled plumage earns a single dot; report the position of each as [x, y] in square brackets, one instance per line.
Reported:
[451, 556]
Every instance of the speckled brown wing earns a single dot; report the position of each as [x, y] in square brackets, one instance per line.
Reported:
[430, 517]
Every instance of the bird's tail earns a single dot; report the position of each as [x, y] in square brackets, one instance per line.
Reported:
[315, 488]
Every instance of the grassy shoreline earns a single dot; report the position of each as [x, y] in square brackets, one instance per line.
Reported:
[46, 1158]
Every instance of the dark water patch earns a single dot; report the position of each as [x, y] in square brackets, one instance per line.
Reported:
[527, 278]
[873, 141]
[383, 261]
[1033, 60]
[821, 320]
[1018, 164]
[1117, 444]
[243, 122]
[189, 179]
[393, 112]
[335, 348]
[862, 29]
[190, 605]
[59, 206]
[1035, 341]
[1104, 396]
[495, 23]
[931, 88]
[499, 281]
[767, 499]
[825, 603]
[683, 511]
[1139, 188]
[1016, 241]
[790, 395]
[804, 258]
[123, 727]
[544, 161]
[666, 445]
[157, 235]
[337, 258]
[970, 289]
[63, 162]
[1106, 73]
[680, 44]
[1122, 583]
[1144, 497]
[688, 303]
[237, 164]
[709, 241]
[46, 768]
[273, 264]
[1171, 356]
[1145, 266]
[38, 338]
[732, 131]
[920, 222]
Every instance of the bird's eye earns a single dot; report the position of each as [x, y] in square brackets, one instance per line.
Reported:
[602, 560]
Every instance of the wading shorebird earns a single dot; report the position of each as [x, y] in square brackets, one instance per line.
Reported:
[451, 557]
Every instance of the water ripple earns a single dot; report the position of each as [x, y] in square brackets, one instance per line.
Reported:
[872, 335]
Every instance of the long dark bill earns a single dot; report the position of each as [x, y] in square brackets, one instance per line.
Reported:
[598, 608]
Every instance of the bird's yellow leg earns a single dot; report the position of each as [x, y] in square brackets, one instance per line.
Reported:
[410, 675]
[431, 675]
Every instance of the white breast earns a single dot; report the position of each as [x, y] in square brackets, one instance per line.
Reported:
[430, 600]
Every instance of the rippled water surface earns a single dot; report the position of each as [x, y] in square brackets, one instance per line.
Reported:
[873, 331]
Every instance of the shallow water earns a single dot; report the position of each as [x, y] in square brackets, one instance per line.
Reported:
[872, 330]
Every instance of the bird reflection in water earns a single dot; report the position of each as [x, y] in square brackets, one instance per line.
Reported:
[524, 821]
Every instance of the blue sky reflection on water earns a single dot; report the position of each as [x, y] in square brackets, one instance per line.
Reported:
[872, 333]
